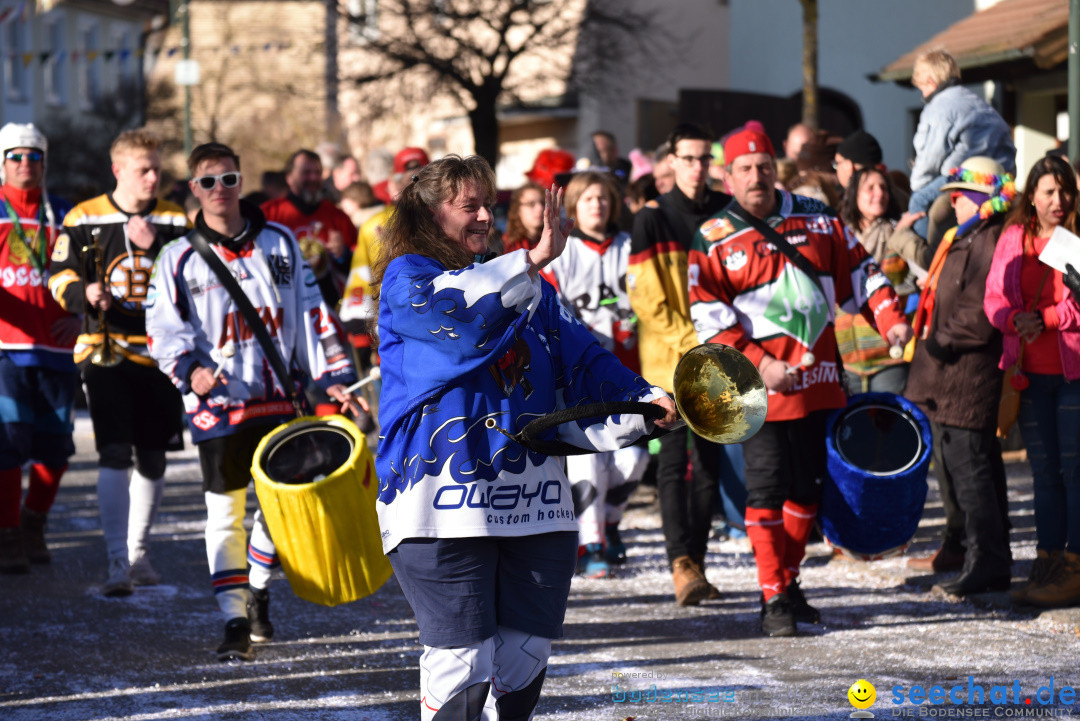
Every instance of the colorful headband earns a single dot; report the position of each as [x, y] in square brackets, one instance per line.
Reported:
[1004, 184]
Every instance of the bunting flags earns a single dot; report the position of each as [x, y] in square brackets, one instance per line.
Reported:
[124, 53]
[16, 12]
[21, 13]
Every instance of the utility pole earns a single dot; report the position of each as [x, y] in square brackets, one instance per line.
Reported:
[187, 71]
[1074, 78]
[185, 43]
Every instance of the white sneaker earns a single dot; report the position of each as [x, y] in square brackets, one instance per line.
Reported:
[119, 581]
[142, 573]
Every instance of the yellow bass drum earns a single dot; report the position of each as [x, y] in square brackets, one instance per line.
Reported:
[315, 478]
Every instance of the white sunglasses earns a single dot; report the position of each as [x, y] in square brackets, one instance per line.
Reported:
[209, 182]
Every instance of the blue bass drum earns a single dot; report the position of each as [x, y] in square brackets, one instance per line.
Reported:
[878, 457]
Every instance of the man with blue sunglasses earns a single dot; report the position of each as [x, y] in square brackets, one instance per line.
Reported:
[37, 374]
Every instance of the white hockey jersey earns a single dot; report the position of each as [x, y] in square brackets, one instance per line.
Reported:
[591, 278]
[190, 318]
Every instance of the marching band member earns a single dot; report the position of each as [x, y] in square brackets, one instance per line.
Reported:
[231, 395]
[481, 531]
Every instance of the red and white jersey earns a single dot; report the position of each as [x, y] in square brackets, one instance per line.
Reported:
[590, 276]
[27, 309]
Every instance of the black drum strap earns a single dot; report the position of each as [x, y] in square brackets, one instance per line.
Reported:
[251, 316]
[529, 435]
[797, 259]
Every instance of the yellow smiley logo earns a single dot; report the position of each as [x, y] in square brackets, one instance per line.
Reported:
[862, 694]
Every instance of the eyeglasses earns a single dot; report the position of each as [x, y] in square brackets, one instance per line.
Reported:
[33, 156]
[694, 159]
[209, 182]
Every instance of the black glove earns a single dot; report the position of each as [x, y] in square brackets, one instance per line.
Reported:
[940, 352]
[1072, 280]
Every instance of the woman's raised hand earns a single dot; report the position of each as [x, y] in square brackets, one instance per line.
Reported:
[553, 239]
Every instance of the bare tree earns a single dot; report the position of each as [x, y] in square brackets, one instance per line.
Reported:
[486, 52]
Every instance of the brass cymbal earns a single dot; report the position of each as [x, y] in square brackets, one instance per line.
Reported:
[720, 393]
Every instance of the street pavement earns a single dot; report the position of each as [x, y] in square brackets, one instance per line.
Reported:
[69, 654]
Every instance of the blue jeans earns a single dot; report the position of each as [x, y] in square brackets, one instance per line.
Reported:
[922, 199]
[733, 486]
[1050, 426]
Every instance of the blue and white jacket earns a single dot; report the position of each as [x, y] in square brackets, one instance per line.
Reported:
[459, 347]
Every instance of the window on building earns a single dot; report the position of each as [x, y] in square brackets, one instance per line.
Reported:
[363, 19]
[54, 67]
[89, 64]
[123, 69]
[16, 70]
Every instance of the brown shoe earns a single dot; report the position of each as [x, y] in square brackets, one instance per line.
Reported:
[943, 561]
[691, 588]
[714, 592]
[1047, 566]
[1061, 591]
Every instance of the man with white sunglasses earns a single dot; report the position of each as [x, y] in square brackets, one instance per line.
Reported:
[204, 344]
[132, 404]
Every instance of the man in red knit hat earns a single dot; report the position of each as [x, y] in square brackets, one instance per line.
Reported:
[746, 291]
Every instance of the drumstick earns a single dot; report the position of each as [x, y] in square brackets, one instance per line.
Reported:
[896, 352]
[373, 375]
[227, 351]
[806, 361]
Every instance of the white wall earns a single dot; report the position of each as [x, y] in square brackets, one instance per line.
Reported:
[698, 34]
[855, 38]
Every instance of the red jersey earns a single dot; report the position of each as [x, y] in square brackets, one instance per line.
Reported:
[745, 293]
[27, 308]
[318, 224]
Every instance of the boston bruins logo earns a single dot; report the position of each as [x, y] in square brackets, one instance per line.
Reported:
[129, 284]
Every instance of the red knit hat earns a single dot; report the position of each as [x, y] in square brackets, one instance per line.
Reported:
[747, 141]
[549, 163]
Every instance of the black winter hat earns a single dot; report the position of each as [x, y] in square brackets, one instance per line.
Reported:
[860, 147]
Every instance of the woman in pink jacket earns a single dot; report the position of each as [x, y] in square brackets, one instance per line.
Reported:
[1030, 304]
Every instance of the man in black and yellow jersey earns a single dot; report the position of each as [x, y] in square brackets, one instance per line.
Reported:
[101, 267]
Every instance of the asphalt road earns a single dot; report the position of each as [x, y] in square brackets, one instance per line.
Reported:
[69, 654]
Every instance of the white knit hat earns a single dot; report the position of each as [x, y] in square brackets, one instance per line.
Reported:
[16, 135]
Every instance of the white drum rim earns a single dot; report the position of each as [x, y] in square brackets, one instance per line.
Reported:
[267, 455]
[900, 411]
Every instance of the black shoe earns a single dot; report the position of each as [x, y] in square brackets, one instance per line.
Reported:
[33, 528]
[237, 643]
[776, 617]
[12, 551]
[615, 551]
[258, 613]
[976, 580]
[800, 609]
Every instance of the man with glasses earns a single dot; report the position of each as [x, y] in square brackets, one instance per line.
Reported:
[857, 151]
[204, 344]
[37, 374]
[132, 404]
[657, 285]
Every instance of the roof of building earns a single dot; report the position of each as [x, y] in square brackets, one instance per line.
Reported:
[1035, 32]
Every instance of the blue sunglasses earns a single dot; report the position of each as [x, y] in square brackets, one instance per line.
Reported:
[33, 156]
